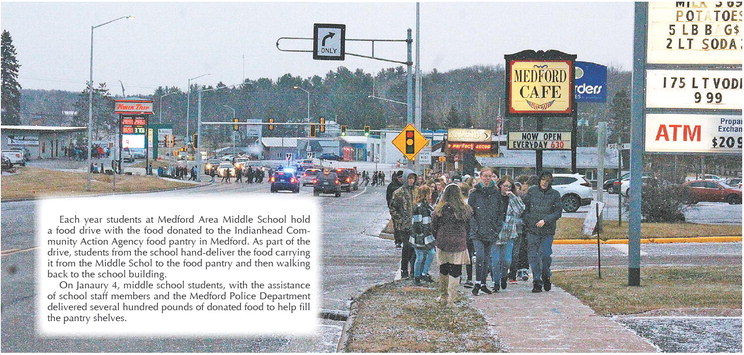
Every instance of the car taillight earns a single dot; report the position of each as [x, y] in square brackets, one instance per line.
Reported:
[292, 180]
[337, 182]
[273, 179]
[617, 183]
[348, 179]
[315, 181]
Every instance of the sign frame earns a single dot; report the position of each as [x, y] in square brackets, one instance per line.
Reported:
[338, 28]
[133, 107]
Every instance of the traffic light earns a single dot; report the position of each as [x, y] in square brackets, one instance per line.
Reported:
[312, 131]
[409, 142]
[271, 126]
[195, 141]
[236, 127]
[366, 130]
[322, 125]
[170, 140]
[343, 130]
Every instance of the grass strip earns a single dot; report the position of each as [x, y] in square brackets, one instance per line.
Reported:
[570, 228]
[400, 317]
[662, 288]
[32, 182]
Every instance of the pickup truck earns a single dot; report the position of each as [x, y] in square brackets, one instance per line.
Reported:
[15, 157]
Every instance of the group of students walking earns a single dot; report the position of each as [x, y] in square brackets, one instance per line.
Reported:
[484, 225]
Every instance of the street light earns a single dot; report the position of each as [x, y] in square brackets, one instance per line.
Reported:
[160, 117]
[188, 102]
[90, 97]
[308, 101]
[233, 132]
[200, 141]
[384, 99]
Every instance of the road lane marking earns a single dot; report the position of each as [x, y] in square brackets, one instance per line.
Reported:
[15, 251]
[623, 248]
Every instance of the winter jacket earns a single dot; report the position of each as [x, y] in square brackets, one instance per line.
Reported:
[488, 212]
[422, 236]
[451, 233]
[544, 205]
[394, 185]
[510, 229]
[401, 205]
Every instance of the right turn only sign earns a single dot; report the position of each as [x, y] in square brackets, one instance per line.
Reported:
[329, 41]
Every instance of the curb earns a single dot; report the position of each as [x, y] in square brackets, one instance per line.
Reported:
[720, 239]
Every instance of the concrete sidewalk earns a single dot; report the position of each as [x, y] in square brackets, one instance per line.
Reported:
[555, 321]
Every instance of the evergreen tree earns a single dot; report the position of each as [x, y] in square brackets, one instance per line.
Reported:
[453, 118]
[11, 91]
[104, 120]
[620, 117]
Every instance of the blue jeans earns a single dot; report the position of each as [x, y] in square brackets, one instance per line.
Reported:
[482, 260]
[423, 261]
[540, 249]
[501, 257]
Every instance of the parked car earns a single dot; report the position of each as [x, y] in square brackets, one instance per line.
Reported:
[348, 178]
[15, 156]
[224, 167]
[308, 176]
[330, 156]
[624, 186]
[127, 155]
[327, 183]
[734, 182]
[575, 190]
[285, 180]
[138, 153]
[7, 165]
[711, 191]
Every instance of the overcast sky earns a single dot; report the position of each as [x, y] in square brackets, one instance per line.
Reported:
[168, 43]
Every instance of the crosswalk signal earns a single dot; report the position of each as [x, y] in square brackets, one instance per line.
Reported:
[322, 125]
[343, 130]
[312, 131]
[409, 142]
[195, 140]
[271, 126]
[366, 130]
[235, 126]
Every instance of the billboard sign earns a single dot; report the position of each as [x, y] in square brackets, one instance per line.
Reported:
[694, 89]
[468, 135]
[693, 133]
[591, 82]
[539, 141]
[540, 87]
[133, 107]
[688, 32]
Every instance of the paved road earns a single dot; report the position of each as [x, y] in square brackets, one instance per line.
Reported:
[354, 259]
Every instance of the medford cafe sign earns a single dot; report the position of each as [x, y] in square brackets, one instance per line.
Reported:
[540, 83]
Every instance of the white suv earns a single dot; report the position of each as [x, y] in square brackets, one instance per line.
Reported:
[575, 190]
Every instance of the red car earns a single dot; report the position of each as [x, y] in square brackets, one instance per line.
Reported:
[711, 191]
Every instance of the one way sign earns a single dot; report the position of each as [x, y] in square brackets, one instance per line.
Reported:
[328, 41]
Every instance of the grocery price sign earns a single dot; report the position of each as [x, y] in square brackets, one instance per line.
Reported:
[539, 140]
[693, 133]
[694, 89]
[682, 32]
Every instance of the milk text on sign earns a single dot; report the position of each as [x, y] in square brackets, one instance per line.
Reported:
[688, 133]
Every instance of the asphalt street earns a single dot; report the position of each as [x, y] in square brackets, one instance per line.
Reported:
[353, 259]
